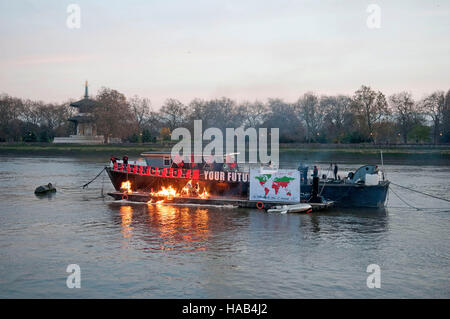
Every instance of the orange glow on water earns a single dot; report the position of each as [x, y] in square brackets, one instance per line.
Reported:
[180, 228]
[126, 213]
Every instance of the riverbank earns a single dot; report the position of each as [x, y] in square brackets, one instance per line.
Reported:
[408, 154]
[367, 153]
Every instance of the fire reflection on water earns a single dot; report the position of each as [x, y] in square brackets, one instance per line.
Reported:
[181, 228]
[126, 213]
[166, 227]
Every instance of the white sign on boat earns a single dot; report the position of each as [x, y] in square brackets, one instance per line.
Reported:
[282, 185]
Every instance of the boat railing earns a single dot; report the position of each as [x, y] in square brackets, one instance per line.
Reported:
[156, 171]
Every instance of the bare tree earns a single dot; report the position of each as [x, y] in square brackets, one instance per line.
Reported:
[173, 113]
[141, 108]
[222, 113]
[337, 109]
[197, 111]
[446, 118]
[403, 106]
[312, 114]
[371, 106]
[11, 109]
[433, 105]
[253, 113]
[113, 115]
[284, 116]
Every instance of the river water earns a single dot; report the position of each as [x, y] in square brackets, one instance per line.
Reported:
[133, 250]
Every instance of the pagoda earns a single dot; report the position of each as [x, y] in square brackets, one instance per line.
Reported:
[86, 130]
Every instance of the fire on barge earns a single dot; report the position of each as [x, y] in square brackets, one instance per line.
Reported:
[160, 179]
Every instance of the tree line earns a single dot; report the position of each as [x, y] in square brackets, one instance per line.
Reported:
[367, 116]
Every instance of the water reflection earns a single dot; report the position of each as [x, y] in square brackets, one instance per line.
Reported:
[182, 228]
[155, 228]
[49, 196]
[346, 223]
[126, 213]
[164, 227]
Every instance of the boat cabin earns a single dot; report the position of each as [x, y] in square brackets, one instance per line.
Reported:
[157, 159]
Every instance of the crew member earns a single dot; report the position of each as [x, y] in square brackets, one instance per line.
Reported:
[125, 160]
[113, 159]
[315, 171]
[335, 171]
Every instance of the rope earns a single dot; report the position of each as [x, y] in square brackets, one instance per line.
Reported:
[328, 172]
[403, 200]
[413, 190]
[85, 185]
[103, 185]
[422, 208]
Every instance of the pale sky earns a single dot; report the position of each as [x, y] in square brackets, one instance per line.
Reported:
[241, 49]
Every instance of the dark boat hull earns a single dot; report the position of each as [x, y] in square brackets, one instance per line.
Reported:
[352, 195]
[342, 194]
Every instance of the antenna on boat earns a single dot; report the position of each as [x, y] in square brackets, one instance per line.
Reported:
[382, 163]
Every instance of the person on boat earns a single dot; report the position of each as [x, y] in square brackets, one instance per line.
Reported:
[125, 160]
[335, 171]
[113, 159]
[315, 171]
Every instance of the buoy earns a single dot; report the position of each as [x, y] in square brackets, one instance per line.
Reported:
[44, 189]
[260, 205]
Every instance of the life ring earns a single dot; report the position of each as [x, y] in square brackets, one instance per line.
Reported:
[125, 196]
[260, 205]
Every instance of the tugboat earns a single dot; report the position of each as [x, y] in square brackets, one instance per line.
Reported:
[362, 188]
[160, 176]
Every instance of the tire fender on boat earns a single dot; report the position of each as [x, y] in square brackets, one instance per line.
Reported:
[125, 196]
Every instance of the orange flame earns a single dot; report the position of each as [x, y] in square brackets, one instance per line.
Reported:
[126, 186]
[168, 192]
[204, 195]
[188, 190]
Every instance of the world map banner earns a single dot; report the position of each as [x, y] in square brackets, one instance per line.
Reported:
[282, 185]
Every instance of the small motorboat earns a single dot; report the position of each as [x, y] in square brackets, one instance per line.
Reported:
[297, 208]
[45, 189]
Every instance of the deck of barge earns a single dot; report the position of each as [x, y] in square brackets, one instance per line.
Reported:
[238, 202]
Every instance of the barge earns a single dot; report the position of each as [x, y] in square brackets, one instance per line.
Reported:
[195, 182]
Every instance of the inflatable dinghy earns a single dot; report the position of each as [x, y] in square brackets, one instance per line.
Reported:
[297, 208]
